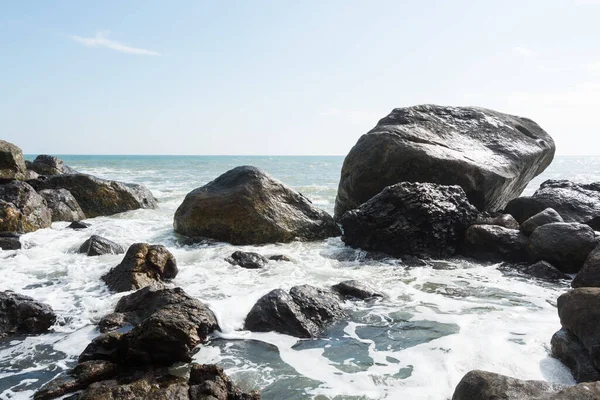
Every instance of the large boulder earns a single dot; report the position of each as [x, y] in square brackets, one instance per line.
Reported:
[23, 315]
[97, 246]
[98, 197]
[49, 165]
[564, 245]
[589, 274]
[495, 243]
[304, 312]
[569, 350]
[482, 385]
[22, 209]
[574, 202]
[143, 265]
[12, 164]
[247, 206]
[419, 219]
[491, 155]
[62, 205]
[547, 216]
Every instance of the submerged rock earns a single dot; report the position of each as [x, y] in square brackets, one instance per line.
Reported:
[353, 289]
[491, 155]
[569, 350]
[495, 243]
[574, 202]
[23, 315]
[79, 225]
[541, 270]
[12, 163]
[49, 165]
[247, 260]
[280, 257]
[564, 245]
[589, 275]
[247, 206]
[97, 246]
[62, 205]
[98, 197]
[143, 265]
[544, 217]
[22, 209]
[420, 219]
[10, 241]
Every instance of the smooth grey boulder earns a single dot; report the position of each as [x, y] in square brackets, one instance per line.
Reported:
[99, 197]
[49, 165]
[573, 201]
[564, 245]
[10, 241]
[544, 217]
[569, 350]
[503, 220]
[495, 243]
[589, 274]
[523, 208]
[23, 315]
[491, 155]
[22, 209]
[12, 163]
[417, 219]
[245, 205]
[97, 246]
[143, 265]
[62, 205]
[247, 259]
[353, 289]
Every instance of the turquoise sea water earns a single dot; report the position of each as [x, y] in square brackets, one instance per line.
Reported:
[435, 323]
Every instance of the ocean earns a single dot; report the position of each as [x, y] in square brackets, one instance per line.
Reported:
[435, 323]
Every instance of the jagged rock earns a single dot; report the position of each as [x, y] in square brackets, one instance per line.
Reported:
[420, 219]
[354, 289]
[564, 245]
[97, 246]
[9, 241]
[23, 315]
[481, 385]
[503, 220]
[574, 202]
[79, 225]
[304, 312]
[143, 265]
[22, 209]
[62, 205]
[247, 206]
[491, 155]
[569, 350]
[544, 217]
[49, 165]
[208, 382]
[495, 243]
[138, 306]
[12, 164]
[589, 274]
[98, 197]
[248, 260]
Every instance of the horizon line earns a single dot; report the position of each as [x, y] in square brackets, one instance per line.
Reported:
[234, 155]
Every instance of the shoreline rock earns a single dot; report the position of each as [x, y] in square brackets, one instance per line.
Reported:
[21, 314]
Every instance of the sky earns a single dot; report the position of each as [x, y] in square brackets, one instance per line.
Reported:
[286, 77]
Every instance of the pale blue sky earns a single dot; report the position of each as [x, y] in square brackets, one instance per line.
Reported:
[283, 77]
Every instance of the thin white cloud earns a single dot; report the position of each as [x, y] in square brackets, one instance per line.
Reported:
[101, 40]
[523, 51]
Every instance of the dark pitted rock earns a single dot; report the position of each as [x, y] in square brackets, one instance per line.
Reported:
[353, 289]
[23, 315]
[79, 225]
[481, 385]
[579, 313]
[503, 220]
[209, 382]
[304, 312]
[136, 307]
[491, 155]
[544, 270]
[12, 164]
[574, 202]
[569, 350]
[280, 257]
[247, 206]
[110, 346]
[589, 275]
[248, 259]
[523, 208]
[10, 241]
[22, 209]
[420, 219]
[564, 245]
[49, 165]
[97, 246]
[98, 197]
[143, 265]
[62, 205]
[544, 217]
[495, 243]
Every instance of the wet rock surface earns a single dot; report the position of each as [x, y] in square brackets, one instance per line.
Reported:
[12, 163]
[569, 350]
[541, 270]
[419, 219]
[574, 202]
[78, 225]
[49, 165]
[247, 260]
[353, 289]
[589, 274]
[22, 209]
[523, 208]
[247, 206]
[23, 315]
[143, 265]
[544, 217]
[495, 243]
[97, 246]
[62, 205]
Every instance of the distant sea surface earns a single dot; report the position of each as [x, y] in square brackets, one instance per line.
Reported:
[435, 323]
